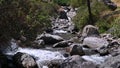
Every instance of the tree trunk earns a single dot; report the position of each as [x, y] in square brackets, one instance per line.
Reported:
[90, 14]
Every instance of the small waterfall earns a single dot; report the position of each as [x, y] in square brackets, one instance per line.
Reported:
[39, 54]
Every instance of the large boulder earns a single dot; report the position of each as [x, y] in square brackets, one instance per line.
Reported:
[112, 62]
[50, 39]
[90, 30]
[23, 60]
[95, 42]
[77, 62]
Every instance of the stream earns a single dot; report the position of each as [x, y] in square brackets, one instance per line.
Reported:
[63, 28]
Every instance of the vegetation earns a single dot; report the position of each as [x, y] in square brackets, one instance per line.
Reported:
[103, 17]
[24, 17]
[73, 3]
[62, 2]
[30, 17]
[82, 19]
[116, 27]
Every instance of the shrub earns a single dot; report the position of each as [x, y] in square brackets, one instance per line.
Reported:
[82, 17]
[116, 27]
[24, 17]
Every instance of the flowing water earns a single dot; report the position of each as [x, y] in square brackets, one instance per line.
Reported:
[48, 54]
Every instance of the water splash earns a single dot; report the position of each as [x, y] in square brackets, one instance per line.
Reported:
[42, 55]
[95, 58]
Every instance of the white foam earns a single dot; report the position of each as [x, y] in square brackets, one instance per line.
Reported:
[95, 58]
[59, 31]
[44, 67]
[42, 55]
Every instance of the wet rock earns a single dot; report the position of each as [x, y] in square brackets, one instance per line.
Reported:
[75, 39]
[75, 30]
[55, 63]
[75, 49]
[62, 44]
[108, 37]
[112, 62]
[23, 60]
[50, 39]
[23, 38]
[90, 51]
[95, 42]
[113, 49]
[38, 44]
[49, 30]
[51, 63]
[3, 61]
[77, 62]
[63, 15]
[90, 30]
[103, 52]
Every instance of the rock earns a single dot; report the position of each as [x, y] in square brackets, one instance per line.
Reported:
[95, 42]
[112, 62]
[75, 30]
[50, 39]
[62, 44]
[75, 49]
[38, 44]
[3, 61]
[90, 30]
[75, 39]
[103, 52]
[55, 63]
[49, 30]
[23, 38]
[77, 62]
[108, 37]
[90, 51]
[113, 48]
[23, 60]
[63, 15]
[116, 41]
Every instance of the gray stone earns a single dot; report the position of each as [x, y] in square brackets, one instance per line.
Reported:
[23, 60]
[38, 44]
[50, 39]
[95, 42]
[90, 30]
